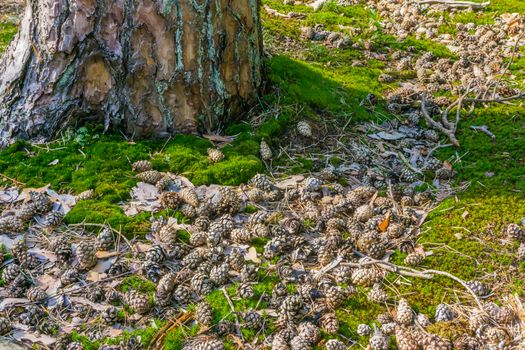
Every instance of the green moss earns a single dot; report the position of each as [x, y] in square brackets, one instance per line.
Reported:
[137, 283]
[7, 33]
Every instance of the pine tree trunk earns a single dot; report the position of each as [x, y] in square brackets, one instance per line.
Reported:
[149, 67]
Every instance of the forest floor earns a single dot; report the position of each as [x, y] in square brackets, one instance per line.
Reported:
[315, 82]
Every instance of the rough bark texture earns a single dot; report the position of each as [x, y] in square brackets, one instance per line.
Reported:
[151, 67]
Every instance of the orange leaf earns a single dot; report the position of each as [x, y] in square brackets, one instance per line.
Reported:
[383, 225]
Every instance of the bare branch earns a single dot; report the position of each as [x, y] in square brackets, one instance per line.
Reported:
[456, 4]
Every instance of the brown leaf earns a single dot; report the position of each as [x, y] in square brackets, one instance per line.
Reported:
[447, 165]
[21, 335]
[383, 225]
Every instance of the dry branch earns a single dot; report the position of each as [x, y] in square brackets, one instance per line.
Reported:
[445, 126]
[456, 4]
[283, 15]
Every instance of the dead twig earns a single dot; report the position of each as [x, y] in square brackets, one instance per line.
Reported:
[456, 4]
[283, 15]
[446, 127]
[232, 308]
[484, 129]
[410, 272]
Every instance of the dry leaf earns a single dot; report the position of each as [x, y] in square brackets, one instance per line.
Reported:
[103, 265]
[21, 335]
[465, 215]
[289, 182]
[93, 276]
[141, 247]
[447, 165]
[54, 162]
[251, 255]
[9, 345]
[84, 301]
[383, 225]
[104, 254]
[389, 136]
[9, 195]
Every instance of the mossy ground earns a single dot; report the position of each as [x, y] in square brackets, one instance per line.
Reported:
[323, 83]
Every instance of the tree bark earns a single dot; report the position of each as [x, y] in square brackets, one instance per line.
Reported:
[150, 67]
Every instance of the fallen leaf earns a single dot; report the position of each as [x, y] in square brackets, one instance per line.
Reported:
[21, 335]
[289, 182]
[251, 255]
[447, 165]
[141, 247]
[9, 345]
[389, 136]
[84, 301]
[383, 225]
[9, 195]
[93, 276]
[104, 254]
[465, 215]
[115, 332]
[54, 162]
[103, 265]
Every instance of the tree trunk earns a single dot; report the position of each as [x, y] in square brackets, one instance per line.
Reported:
[150, 67]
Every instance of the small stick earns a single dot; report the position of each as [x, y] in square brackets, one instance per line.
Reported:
[237, 323]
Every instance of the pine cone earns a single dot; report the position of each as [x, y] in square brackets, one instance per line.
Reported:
[156, 253]
[105, 239]
[252, 320]
[36, 294]
[86, 255]
[182, 295]
[329, 323]
[110, 315]
[405, 340]
[204, 313]
[5, 326]
[170, 200]
[364, 330]
[189, 196]
[201, 284]
[42, 202]
[404, 314]
[379, 341]
[138, 302]
[85, 195]
[265, 151]
[150, 176]
[304, 129]
[334, 344]
[53, 219]
[215, 155]
[141, 166]
[11, 224]
[444, 313]
[165, 289]
[27, 211]
[10, 272]
[300, 343]
[245, 291]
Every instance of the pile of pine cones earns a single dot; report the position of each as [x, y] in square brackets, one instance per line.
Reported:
[320, 237]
